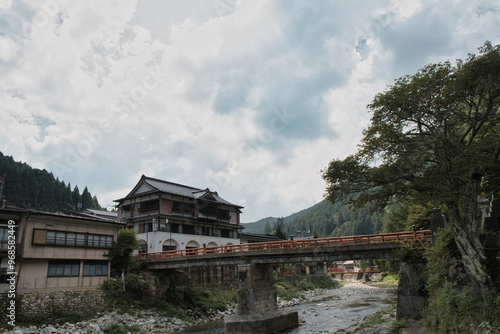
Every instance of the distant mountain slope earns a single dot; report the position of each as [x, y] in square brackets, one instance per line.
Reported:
[38, 189]
[259, 225]
[326, 219]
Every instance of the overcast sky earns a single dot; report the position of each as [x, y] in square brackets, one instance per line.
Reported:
[248, 98]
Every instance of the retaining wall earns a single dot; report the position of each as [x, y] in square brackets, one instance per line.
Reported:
[48, 301]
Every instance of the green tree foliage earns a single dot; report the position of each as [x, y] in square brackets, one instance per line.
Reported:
[406, 215]
[328, 219]
[453, 309]
[278, 228]
[121, 254]
[76, 197]
[39, 189]
[433, 137]
[86, 199]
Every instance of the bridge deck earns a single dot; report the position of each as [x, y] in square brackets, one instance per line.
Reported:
[353, 247]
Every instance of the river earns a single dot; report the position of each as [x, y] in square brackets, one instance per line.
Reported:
[336, 311]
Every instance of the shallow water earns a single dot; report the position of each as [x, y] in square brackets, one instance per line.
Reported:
[338, 310]
[345, 310]
[211, 327]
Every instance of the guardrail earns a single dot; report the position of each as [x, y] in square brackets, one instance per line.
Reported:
[385, 238]
[353, 271]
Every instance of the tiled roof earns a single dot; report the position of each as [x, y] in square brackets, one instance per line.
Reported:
[176, 189]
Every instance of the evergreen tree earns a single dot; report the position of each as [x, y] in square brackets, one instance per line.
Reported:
[76, 197]
[95, 203]
[35, 188]
[86, 199]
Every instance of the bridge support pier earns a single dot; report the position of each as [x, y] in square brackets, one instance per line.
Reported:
[257, 306]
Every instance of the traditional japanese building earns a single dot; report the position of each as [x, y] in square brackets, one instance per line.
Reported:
[169, 216]
[43, 250]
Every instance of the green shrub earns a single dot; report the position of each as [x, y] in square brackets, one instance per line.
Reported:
[133, 296]
[207, 298]
[116, 328]
[397, 326]
[55, 316]
[292, 287]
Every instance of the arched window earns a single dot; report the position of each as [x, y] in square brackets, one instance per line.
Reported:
[192, 244]
[170, 244]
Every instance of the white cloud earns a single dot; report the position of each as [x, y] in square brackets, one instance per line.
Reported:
[250, 98]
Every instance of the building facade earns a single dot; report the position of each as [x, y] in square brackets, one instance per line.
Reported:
[169, 216]
[53, 251]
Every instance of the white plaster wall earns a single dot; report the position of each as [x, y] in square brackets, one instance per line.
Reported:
[155, 240]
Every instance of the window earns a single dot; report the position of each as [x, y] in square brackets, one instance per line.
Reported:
[207, 210]
[145, 227]
[169, 248]
[81, 239]
[95, 268]
[188, 229]
[73, 239]
[223, 215]
[149, 205]
[175, 228]
[63, 268]
[183, 209]
[4, 238]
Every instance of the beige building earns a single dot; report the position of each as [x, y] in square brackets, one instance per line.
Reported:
[53, 251]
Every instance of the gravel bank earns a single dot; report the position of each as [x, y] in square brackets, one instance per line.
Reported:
[343, 310]
[320, 311]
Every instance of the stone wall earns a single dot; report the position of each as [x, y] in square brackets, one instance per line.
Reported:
[47, 301]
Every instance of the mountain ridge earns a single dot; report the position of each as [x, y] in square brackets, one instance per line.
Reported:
[324, 219]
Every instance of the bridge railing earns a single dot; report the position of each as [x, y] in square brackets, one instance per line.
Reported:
[385, 238]
[353, 271]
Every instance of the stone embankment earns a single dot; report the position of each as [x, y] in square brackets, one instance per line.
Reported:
[147, 321]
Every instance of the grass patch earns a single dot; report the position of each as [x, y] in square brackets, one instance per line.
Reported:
[388, 279]
[377, 318]
[397, 326]
[288, 288]
[56, 316]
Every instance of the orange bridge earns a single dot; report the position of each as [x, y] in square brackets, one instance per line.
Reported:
[360, 247]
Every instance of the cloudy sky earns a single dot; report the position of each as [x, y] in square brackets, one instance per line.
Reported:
[250, 98]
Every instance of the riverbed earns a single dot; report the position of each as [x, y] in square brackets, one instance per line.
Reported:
[343, 310]
[340, 310]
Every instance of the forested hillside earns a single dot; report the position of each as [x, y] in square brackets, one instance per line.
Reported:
[324, 220]
[266, 225]
[334, 220]
[38, 189]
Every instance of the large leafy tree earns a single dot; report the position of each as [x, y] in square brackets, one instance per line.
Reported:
[122, 259]
[433, 137]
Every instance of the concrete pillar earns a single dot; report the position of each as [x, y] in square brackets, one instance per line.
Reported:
[257, 308]
[322, 268]
[256, 291]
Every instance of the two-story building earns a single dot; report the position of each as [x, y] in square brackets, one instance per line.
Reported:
[44, 251]
[170, 216]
